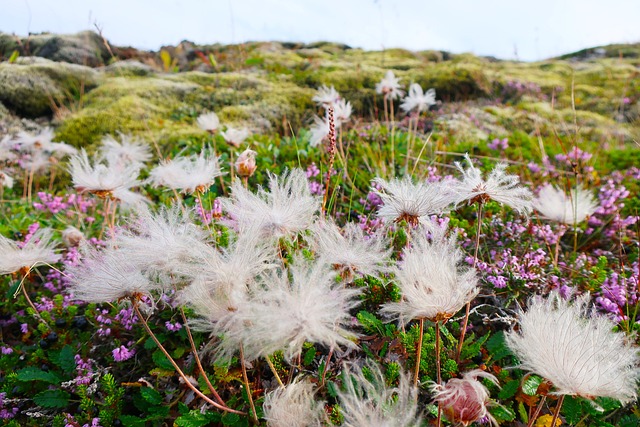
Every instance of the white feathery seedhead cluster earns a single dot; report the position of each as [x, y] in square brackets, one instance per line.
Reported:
[414, 203]
[235, 136]
[465, 400]
[286, 209]
[350, 251]
[319, 131]
[326, 97]
[293, 406]
[100, 179]
[124, 153]
[283, 313]
[163, 242]
[417, 100]
[38, 250]
[6, 180]
[42, 144]
[370, 403]
[576, 349]
[107, 276]
[555, 205]
[389, 86]
[208, 121]
[341, 112]
[433, 284]
[190, 174]
[499, 186]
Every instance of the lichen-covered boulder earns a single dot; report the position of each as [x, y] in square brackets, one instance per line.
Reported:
[129, 67]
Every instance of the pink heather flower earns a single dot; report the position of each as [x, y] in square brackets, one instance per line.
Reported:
[465, 400]
[122, 353]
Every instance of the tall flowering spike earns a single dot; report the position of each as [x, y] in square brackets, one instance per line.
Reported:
[287, 208]
[209, 122]
[38, 250]
[283, 313]
[162, 242]
[100, 179]
[349, 250]
[414, 203]
[465, 400]
[389, 86]
[108, 276]
[368, 402]
[498, 186]
[417, 100]
[433, 284]
[190, 174]
[575, 349]
[326, 96]
[293, 406]
[126, 152]
[556, 205]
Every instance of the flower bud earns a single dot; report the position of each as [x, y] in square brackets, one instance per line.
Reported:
[72, 237]
[465, 400]
[246, 163]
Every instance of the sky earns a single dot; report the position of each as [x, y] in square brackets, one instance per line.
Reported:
[507, 29]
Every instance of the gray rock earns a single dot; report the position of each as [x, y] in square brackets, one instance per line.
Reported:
[130, 67]
[27, 93]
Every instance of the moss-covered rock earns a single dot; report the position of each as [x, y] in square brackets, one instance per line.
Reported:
[27, 92]
[129, 68]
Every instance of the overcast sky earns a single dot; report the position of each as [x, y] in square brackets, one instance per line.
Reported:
[526, 30]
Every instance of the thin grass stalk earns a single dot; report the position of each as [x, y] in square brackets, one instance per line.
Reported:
[326, 367]
[245, 378]
[134, 303]
[463, 332]
[535, 414]
[275, 372]
[416, 372]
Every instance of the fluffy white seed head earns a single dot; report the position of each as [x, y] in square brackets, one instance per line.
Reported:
[575, 349]
[417, 100]
[283, 313]
[100, 179]
[39, 250]
[287, 208]
[209, 122]
[293, 406]
[319, 131]
[326, 96]
[389, 86]
[189, 174]
[555, 205]
[123, 153]
[6, 180]
[433, 284]
[349, 250]
[499, 186]
[414, 203]
[235, 136]
[368, 402]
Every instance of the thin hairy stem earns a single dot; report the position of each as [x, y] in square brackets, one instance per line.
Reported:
[326, 366]
[134, 303]
[31, 304]
[557, 411]
[463, 332]
[416, 372]
[245, 378]
[275, 373]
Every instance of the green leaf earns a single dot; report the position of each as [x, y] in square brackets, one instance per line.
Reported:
[497, 347]
[65, 359]
[161, 360]
[52, 399]
[371, 324]
[572, 409]
[509, 389]
[530, 386]
[14, 56]
[34, 374]
[150, 344]
[151, 395]
[230, 419]
[131, 421]
[309, 355]
[502, 413]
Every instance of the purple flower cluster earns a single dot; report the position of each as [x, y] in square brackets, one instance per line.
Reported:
[499, 144]
[55, 204]
[619, 294]
[84, 370]
[173, 327]
[122, 353]
[6, 412]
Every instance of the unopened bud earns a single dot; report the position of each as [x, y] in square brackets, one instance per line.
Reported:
[246, 163]
[72, 237]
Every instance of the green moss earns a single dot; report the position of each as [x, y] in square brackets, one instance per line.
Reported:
[27, 91]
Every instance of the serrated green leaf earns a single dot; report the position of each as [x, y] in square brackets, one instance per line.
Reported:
[161, 360]
[150, 344]
[52, 399]
[309, 355]
[151, 395]
[497, 346]
[370, 323]
[230, 419]
[572, 409]
[502, 413]
[34, 374]
[332, 389]
[530, 385]
[65, 358]
[509, 389]
[131, 421]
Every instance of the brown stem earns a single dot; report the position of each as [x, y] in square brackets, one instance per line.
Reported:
[197, 358]
[134, 303]
[463, 332]
[326, 366]
[533, 417]
[32, 305]
[438, 369]
[416, 372]
[557, 411]
[245, 378]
